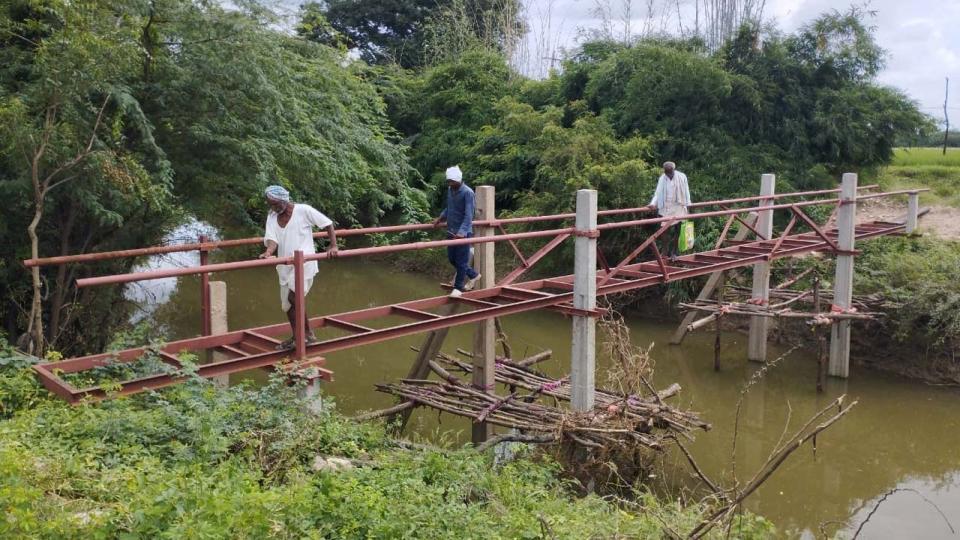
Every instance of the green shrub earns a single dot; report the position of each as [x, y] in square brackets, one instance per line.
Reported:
[192, 461]
[918, 276]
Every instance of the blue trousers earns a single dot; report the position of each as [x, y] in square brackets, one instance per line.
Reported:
[459, 257]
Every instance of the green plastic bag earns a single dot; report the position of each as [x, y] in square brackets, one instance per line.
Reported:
[686, 238]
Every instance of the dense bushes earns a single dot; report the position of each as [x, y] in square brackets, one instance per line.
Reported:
[919, 277]
[141, 112]
[805, 106]
[192, 461]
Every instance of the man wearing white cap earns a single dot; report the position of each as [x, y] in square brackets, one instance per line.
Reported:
[290, 229]
[459, 217]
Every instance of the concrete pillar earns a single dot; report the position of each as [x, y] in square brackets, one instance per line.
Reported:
[485, 342]
[913, 210]
[584, 297]
[843, 282]
[217, 292]
[759, 326]
[311, 392]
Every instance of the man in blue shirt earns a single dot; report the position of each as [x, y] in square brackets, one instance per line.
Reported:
[459, 217]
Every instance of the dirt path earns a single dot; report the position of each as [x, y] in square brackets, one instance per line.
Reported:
[941, 221]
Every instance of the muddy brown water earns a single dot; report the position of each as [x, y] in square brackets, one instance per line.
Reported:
[903, 435]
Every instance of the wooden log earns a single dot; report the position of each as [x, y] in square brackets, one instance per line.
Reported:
[700, 323]
[535, 359]
[384, 412]
[420, 368]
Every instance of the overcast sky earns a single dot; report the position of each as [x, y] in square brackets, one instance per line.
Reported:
[921, 37]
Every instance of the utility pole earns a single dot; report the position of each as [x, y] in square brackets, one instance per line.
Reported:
[946, 119]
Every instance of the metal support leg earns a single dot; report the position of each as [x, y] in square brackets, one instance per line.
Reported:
[299, 307]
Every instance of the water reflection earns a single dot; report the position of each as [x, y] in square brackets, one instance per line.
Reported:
[902, 433]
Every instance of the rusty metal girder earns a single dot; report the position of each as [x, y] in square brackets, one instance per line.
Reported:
[250, 348]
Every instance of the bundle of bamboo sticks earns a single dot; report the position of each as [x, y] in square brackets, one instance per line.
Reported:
[617, 420]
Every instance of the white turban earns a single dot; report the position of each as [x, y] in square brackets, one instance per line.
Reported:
[454, 173]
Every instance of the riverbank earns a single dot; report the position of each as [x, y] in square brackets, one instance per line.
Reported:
[245, 462]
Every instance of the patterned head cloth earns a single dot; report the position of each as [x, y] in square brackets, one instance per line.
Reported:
[277, 193]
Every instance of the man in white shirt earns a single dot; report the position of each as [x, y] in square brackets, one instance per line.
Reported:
[289, 229]
[670, 199]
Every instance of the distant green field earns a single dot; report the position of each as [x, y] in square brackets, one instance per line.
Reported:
[928, 168]
[926, 156]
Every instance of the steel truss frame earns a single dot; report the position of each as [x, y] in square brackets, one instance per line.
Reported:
[254, 348]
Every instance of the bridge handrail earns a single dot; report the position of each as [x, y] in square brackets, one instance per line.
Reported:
[239, 242]
[413, 246]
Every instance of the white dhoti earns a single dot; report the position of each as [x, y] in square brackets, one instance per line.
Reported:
[287, 288]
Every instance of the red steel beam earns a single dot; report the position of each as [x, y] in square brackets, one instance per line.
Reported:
[533, 260]
[816, 228]
[299, 307]
[206, 324]
[723, 234]
[516, 249]
[174, 272]
[633, 255]
[783, 236]
[239, 242]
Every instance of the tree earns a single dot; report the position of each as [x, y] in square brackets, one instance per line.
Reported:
[388, 31]
[240, 106]
[118, 118]
[66, 110]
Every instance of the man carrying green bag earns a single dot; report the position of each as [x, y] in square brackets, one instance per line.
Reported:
[671, 199]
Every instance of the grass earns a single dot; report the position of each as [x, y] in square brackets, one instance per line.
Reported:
[925, 168]
[195, 462]
[926, 157]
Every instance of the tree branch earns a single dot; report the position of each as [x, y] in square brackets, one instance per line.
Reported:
[83, 153]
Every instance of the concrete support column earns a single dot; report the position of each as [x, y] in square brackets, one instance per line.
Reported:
[217, 293]
[759, 326]
[843, 282]
[311, 392]
[913, 211]
[485, 342]
[584, 297]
